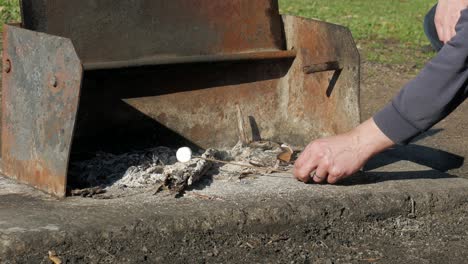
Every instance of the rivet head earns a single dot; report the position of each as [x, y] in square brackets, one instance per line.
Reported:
[53, 81]
[7, 66]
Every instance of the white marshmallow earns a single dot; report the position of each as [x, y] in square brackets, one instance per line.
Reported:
[184, 154]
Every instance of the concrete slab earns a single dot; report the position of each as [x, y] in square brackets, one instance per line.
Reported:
[31, 223]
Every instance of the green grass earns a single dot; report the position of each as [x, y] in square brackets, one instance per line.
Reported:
[387, 31]
[9, 10]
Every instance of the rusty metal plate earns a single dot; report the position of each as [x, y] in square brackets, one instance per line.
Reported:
[123, 31]
[173, 104]
[322, 87]
[41, 86]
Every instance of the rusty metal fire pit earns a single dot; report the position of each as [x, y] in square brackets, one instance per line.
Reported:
[87, 75]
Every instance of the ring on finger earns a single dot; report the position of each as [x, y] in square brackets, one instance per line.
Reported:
[314, 175]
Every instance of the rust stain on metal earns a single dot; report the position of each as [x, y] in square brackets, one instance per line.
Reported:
[36, 174]
[158, 27]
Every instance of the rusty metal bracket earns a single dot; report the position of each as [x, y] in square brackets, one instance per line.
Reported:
[321, 67]
[40, 93]
[171, 60]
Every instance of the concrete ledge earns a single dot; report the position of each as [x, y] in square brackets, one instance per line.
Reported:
[139, 228]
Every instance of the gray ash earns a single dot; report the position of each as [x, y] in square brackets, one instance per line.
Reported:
[107, 169]
[159, 167]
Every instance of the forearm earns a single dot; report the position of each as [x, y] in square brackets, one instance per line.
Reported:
[433, 94]
[370, 139]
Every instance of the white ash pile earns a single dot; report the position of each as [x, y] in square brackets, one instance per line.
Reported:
[158, 167]
[258, 157]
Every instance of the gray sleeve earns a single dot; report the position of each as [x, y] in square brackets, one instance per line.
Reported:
[433, 94]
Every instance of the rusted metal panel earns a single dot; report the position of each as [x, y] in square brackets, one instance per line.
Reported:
[169, 104]
[197, 102]
[109, 30]
[321, 103]
[40, 92]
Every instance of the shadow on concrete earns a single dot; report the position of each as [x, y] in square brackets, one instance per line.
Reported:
[205, 181]
[430, 157]
[433, 158]
[439, 161]
[363, 178]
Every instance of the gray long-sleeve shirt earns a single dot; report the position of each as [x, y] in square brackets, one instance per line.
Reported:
[440, 88]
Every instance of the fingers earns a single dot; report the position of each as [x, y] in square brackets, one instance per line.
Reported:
[451, 30]
[305, 164]
[446, 35]
[303, 170]
[453, 33]
[317, 169]
[312, 165]
[330, 160]
[443, 31]
[440, 30]
[439, 22]
[446, 19]
[320, 175]
[335, 174]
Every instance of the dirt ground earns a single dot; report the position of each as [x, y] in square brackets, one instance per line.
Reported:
[438, 238]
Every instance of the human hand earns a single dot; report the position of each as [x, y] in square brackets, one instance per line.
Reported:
[335, 158]
[446, 18]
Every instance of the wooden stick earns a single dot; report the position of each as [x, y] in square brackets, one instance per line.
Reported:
[266, 169]
[243, 137]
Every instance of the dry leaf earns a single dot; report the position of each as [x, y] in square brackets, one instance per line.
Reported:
[287, 153]
[54, 258]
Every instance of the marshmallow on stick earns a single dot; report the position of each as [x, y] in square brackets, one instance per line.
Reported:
[184, 154]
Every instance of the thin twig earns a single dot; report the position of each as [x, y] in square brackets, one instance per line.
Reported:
[266, 169]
